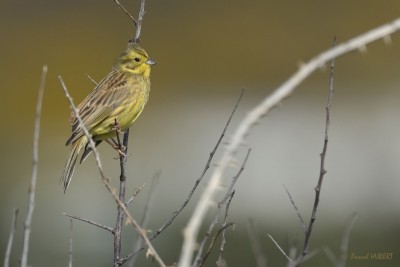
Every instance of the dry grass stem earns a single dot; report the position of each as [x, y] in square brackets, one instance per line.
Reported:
[35, 159]
[11, 238]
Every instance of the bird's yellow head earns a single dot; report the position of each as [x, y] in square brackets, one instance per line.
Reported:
[135, 60]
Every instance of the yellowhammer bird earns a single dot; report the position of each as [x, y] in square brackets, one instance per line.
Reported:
[117, 99]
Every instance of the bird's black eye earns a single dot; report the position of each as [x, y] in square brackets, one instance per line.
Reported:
[136, 59]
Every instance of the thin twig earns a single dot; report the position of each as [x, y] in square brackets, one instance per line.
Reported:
[71, 231]
[192, 229]
[32, 186]
[102, 226]
[91, 79]
[146, 213]
[331, 256]
[259, 256]
[213, 242]
[198, 258]
[236, 177]
[126, 12]
[292, 255]
[135, 193]
[280, 249]
[322, 172]
[11, 238]
[221, 261]
[105, 179]
[303, 225]
[197, 182]
[344, 247]
[139, 22]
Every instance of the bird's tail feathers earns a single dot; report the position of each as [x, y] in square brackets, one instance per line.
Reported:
[69, 168]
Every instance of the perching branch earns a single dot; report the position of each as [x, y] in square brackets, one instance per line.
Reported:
[124, 148]
[121, 195]
[192, 229]
[32, 186]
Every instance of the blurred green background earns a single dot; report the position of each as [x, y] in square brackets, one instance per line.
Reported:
[207, 51]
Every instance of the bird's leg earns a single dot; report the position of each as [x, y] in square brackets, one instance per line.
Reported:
[114, 144]
[120, 148]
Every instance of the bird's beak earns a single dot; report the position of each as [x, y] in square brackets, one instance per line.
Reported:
[151, 62]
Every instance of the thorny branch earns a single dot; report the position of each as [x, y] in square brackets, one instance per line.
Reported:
[192, 229]
[197, 182]
[102, 226]
[306, 248]
[221, 261]
[199, 260]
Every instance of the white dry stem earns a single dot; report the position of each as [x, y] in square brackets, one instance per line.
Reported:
[192, 228]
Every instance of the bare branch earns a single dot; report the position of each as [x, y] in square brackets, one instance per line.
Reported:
[121, 195]
[105, 180]
[221, 261]
[260, 257]
[135, 193]
[322, 171]
[146, 213]
[297, 210]
[197, 182]
[71, 231]
[213, 241]
[228, 195]
[192, 229]
[236, 177]
[126, 12]
[280, 249]
[102, 226]
[91, 79]
[11, 238]
[139, 22]
[32, 186]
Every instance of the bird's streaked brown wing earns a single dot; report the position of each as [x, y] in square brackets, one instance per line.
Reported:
[100, 103]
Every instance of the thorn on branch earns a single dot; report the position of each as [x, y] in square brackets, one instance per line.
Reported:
[388, 40]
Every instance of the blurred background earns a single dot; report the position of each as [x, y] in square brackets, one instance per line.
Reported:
[207, 51]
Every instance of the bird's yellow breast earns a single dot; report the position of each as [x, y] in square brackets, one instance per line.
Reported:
[127, 112]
